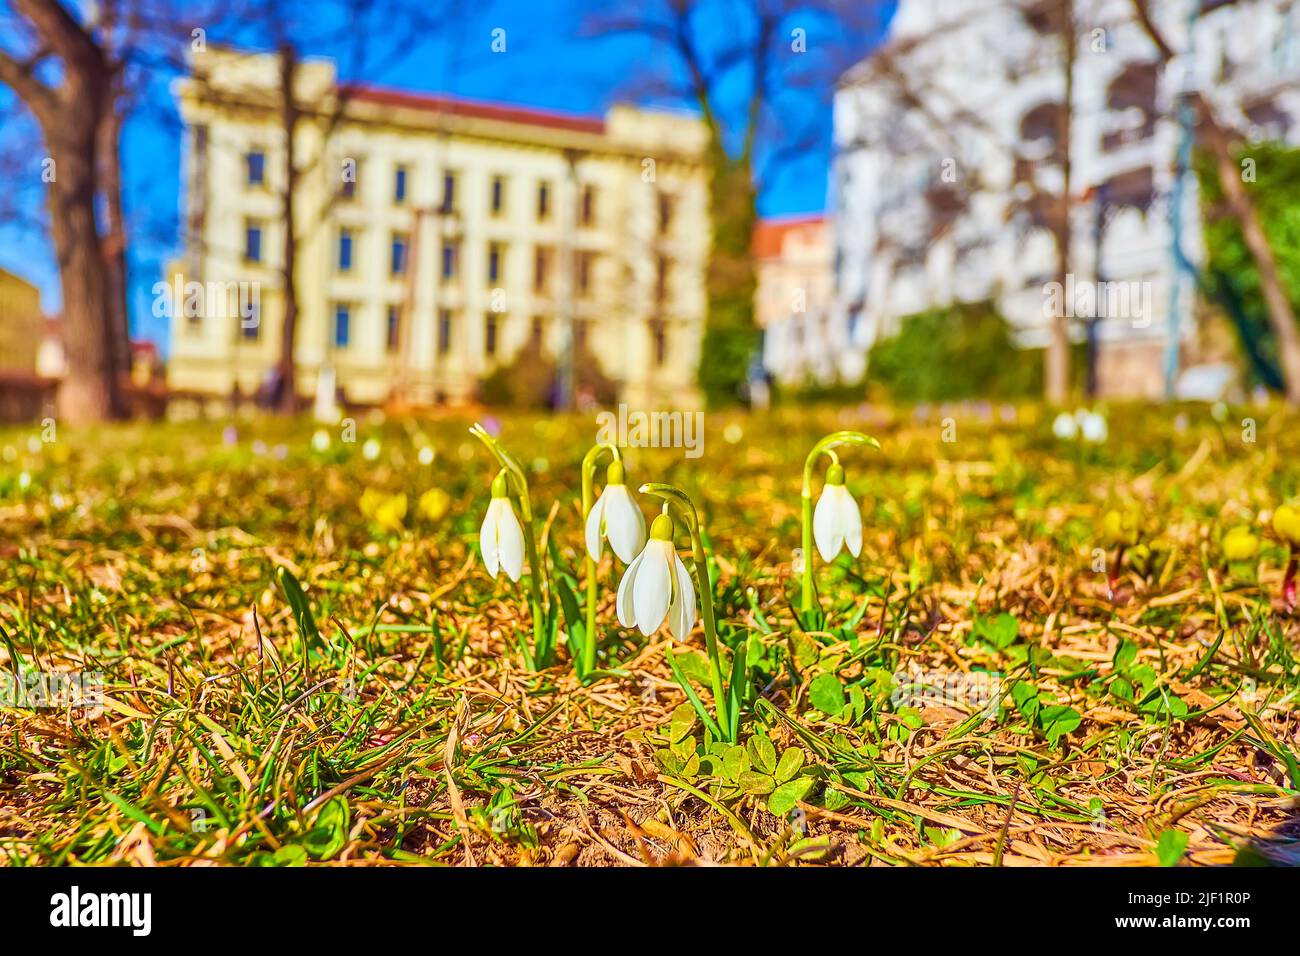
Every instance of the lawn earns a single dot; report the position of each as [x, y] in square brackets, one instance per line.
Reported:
[983, 685]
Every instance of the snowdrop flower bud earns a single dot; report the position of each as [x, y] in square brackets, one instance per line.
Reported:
[615, 516]
[1065, 427]
[1092, 425]
[656, 584]
[502, 540]
[837, 521]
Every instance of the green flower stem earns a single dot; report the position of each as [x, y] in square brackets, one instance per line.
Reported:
[537, 572]
[705, 589]
[808, 597]
[588, 502]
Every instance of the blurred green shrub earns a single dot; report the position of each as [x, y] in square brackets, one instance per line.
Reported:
[1269, 173]
[962, 351]
[529, 380]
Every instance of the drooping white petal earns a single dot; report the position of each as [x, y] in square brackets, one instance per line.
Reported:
[624, 523]
[826, 525]
[487, 539]
[502, 540]
[681, 615]
[624, 606]
[850, 520]
[652, 590]
[593, 527]
[510, 541]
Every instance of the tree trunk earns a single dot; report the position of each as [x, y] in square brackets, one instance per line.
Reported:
[91, 390]
[114, 243]
[1056, 378]
[289, 124]
[70, 114]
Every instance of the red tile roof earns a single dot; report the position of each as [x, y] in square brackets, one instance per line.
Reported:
[769, 234]
[502, 112]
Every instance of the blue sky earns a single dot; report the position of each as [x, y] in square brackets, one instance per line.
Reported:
[551, 61]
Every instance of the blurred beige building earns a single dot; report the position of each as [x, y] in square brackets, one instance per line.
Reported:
[794, 258]
[21, 321]
[437, 237]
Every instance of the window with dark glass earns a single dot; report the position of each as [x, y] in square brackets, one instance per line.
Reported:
[397, 254]
[345, 250]
[253, 241]
[342, 325]
[444, 331]
[448, 192]
[255, 168]
[394, 327]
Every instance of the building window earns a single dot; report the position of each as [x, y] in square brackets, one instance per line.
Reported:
[660, 335]
[345, 250]
[543, 201]
[490, 335]
[587, 209]
[397, 255]
[348, 186]
[444, 331]
[394, 327]
[586, 266]
[448, 192]
[449, 257]
[252, 241]
[665, 213]
[342, 325]
[538, 332]
[250, 327]
[498, 195]
[255, 167]
[495, 262]
[399, 185]
[542, 269]
[662, 269]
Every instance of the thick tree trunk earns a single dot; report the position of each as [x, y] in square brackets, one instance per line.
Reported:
[91, 391]
[70, 116]
[288, 331]
[1056, 377]
[114, 243]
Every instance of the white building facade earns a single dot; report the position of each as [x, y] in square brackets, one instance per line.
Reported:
[947, 160]
[437, 238]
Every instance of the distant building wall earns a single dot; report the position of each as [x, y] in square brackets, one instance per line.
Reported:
[928, 202]
[793, 259]
[20, 323]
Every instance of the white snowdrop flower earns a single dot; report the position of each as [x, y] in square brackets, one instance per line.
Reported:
[320, 441]
[836, 520]
[426, 455]
[1093, 427]
[1065, 427]
[370, 450]
[615, 516]
[657, 585]
[502, 539]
